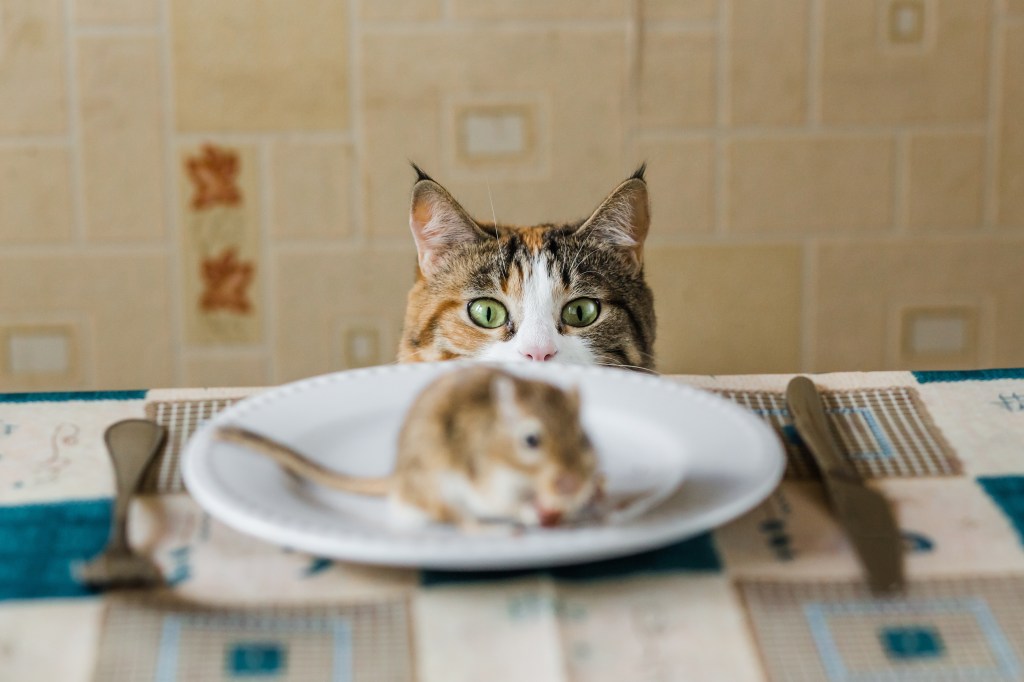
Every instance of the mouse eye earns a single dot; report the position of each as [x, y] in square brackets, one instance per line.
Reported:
[532, 440]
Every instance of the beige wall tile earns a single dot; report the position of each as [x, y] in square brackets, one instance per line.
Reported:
[863, 288]
[868, 79]
[768, 62]
[222, 269]
[677, 82]
[539, 9]
[1011, 149]
[680, 175]
[810, 184]
[32, 74]
[727, 309]
[271, 65]
[400, 10]
[580, 136]
[682, 10]
[122, 138]
[311, 189]
[946, 175]
[227, 371]
[327, 296]
[1014, 5]
[126, 300]
[35, 195]
[117, 12]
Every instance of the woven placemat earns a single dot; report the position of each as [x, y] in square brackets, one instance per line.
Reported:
[181, 418]
[955, 629]
[162, 638]
[884, 432]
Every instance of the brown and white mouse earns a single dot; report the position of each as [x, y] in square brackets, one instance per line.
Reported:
[478, 445]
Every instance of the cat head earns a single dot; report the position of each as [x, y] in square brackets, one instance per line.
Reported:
[571, 292]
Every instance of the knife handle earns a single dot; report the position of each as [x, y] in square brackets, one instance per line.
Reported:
[808, 412]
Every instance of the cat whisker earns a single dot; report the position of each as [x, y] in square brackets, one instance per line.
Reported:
[620, 365]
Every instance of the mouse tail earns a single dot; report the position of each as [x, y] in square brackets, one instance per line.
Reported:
[302, 466]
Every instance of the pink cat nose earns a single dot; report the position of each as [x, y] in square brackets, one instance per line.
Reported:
[539, 353]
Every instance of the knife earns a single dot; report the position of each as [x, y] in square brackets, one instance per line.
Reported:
[864, 513]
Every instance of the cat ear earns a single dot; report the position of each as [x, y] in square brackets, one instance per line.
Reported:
[624, 217]
[438, 222]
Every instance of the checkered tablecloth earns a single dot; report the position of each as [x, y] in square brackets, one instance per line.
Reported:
[774, 595]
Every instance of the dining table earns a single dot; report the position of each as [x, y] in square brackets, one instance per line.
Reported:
[777, 593]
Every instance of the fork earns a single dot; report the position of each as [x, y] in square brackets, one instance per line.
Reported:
[132, 445]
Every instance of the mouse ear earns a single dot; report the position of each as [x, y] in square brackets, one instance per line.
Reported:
[503, 391]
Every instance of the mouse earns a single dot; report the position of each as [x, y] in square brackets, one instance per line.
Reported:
[479, 445]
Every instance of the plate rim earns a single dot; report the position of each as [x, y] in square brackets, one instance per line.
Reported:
[264, 524]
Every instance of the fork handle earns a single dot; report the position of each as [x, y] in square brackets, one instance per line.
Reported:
[132, 444]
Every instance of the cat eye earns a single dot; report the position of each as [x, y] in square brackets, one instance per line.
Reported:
[487, 313]
[580, 312]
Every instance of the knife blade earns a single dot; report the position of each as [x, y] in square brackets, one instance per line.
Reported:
[863, 512]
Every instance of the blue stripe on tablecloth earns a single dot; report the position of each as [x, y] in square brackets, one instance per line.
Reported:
[969, 375]
[695, 554]
[38, 543]
[66, 396]
[1008, 494]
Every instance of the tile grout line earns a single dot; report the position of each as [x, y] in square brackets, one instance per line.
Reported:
[723, 116]
[113, 31]
[901, 183]
[74, 132]
[251, 138]
[267, 198]
[809, 318]
[990, 173]
[359, 230]
[760, 132]
[176, 276]
[633, 71]
[815, 37]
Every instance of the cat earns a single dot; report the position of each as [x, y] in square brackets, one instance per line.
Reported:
[572, 292]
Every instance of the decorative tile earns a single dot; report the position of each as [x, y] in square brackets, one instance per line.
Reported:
[42, 354]
[677, 80]
[117, 12]
[220, 212]
[329, 296]
[941, 629]
[400, 10]
[854, 331]
[946, 174]
[312, 184]
[714, 322]
[122, 299]
[539, 9]
[883, 432]
[508, 135]
[35, 195]
[679, 10]
[869, 75]
[181, 418]
[162, 638]
[235, 369]
[122, 138]
[269, 66]
[801, 184]
[32, 68]
[680, 178]
[768, 91]
[1011, 145]
[458, 65]
[940, 336]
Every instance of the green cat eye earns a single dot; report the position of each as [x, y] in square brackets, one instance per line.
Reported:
[487, 313]
[580, 312]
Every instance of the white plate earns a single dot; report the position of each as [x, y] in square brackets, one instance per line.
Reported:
[648, 433]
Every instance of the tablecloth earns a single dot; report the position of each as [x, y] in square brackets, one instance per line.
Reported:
[774, 595]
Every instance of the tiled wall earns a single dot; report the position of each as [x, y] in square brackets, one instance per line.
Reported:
[214, 192]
